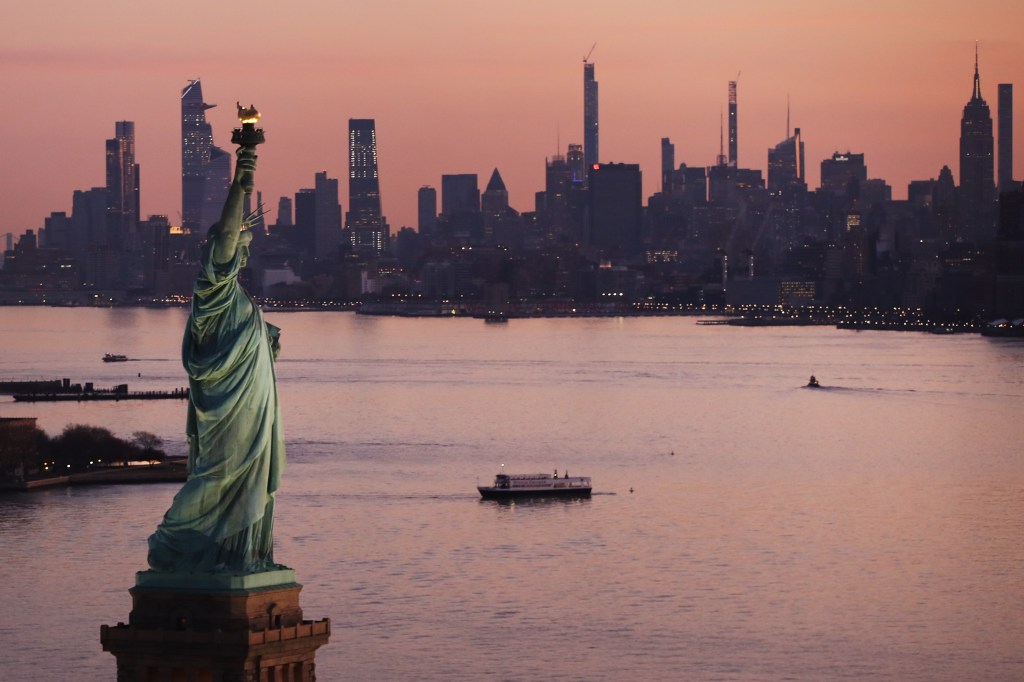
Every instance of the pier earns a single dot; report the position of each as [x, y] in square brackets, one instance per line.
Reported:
[110, 394]
[62, 390]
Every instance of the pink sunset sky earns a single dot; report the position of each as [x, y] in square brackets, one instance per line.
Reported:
[464, 87]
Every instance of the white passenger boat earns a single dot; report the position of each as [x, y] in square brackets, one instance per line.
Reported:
[508, 486]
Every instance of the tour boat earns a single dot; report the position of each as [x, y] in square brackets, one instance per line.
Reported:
[113, 357]
[536, 485]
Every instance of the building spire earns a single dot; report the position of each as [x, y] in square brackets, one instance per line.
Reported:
[977, 79]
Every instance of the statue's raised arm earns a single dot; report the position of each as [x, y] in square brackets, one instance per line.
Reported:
[225, 233]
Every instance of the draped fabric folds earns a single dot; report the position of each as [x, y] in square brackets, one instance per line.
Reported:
[222, 518]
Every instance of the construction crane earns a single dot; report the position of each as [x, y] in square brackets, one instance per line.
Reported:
[587, 58]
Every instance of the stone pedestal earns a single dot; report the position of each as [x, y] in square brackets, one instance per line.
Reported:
[216, 628]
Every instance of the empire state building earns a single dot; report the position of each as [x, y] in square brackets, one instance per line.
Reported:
[977, 168]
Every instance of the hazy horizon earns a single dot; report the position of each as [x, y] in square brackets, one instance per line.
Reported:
[456, 87]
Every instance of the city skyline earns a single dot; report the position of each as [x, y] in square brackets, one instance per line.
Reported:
[890, 84]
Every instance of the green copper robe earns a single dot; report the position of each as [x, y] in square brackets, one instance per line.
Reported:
[222, 518]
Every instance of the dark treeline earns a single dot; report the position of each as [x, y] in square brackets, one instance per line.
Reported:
[27, 452]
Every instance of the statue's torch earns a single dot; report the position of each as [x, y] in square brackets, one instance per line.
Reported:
[247, 137]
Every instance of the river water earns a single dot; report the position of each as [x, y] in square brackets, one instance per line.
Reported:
[742, 528]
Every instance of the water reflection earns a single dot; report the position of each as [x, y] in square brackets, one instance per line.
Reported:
[871, 530]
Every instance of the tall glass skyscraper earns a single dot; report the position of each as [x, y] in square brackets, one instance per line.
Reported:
[590, 137]
[364, 221]
[122, 187]
[203, 185]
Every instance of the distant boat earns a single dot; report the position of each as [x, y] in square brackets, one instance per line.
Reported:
[492, 316]
[813, 382]
[113, 357]
[508, 486]
[1003, 327]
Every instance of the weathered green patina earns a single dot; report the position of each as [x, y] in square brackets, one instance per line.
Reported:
[221, 521]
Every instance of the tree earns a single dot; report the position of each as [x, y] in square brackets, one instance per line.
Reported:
[79, 446]
[149, 445]
[23, 448]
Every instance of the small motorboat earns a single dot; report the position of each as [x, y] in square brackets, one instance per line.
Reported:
[813, 382]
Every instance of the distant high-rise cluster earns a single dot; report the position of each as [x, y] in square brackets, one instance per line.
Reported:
[712, 234]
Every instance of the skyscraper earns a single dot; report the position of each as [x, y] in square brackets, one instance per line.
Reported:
[615, 209]
[590, 137]
[495, 197]
[733, 125]
[203, 189]
[122, 186]
[284, 212]
[459, 194]
[786, 164]
[1005, 114]
[326, 217]
[216, 183]
[501, 224]
[577, 164]
[843, 175]
[426, 204]
[668, 164]
[977, 184]
[364, 219]
[196, 140]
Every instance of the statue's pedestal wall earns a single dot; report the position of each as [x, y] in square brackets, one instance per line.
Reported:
[210, 628]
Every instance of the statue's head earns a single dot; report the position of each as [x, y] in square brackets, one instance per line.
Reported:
[241, 246]
[242, 249]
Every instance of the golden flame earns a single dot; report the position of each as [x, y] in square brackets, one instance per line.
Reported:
[249, 115]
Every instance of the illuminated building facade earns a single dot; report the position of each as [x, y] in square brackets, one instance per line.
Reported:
[205, 169]
[364, 220]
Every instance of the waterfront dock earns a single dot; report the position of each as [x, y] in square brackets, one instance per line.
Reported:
[110, 394]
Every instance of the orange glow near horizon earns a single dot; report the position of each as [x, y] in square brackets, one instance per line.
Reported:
[458, 87]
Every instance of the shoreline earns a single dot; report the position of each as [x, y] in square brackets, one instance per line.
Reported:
[173, 471]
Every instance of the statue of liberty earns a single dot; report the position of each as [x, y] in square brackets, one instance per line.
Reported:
[221, 521]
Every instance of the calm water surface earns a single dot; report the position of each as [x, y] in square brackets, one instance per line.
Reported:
[743, 527]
